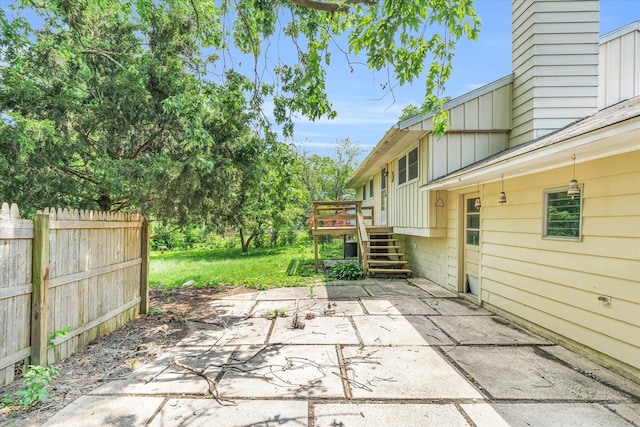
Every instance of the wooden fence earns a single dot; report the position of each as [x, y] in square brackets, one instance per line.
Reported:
[80, 269]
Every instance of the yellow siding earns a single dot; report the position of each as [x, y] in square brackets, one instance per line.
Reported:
[426, 256]
[556, 283]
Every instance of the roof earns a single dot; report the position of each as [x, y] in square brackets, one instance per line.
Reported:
[613, 130]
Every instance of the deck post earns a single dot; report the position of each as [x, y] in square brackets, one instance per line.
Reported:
[315, 250]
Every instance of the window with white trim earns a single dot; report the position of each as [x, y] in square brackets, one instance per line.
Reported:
[371, 189]
[562, 215]
[408, 167]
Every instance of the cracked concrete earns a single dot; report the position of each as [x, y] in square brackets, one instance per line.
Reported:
[375, 352]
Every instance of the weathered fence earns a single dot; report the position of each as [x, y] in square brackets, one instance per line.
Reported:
[79, 269]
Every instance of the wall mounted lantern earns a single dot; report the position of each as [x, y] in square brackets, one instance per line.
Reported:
[502, 199]
[574, 189]
[478, 203]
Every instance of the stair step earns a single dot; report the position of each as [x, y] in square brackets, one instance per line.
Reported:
[385, 247]
[386, 262]
[374, 254]
[382, 240]
[373, 271]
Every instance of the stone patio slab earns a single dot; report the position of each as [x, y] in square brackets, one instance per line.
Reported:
[528, 373]
[628, 411]
[403, 372]
[559, 414]
[456, 307]
[244, 332]
[399, 330]
[345, 291]
[402, 288]
[483, 415]
[432, 288]
[161, 377]
[301, 293]
[318, 330]
[89, 411]
[396, 305]
[319, 307]
[387, 415]
[485, 330]
[222, 311]
[593, 370]
[300, 371]
[208, 412]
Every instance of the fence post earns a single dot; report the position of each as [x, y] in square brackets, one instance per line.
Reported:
[144, 267]
[40, 278]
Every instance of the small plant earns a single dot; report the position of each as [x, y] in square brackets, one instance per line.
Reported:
[36, 380]
[155, 311]
[346, 271]
[51, 336]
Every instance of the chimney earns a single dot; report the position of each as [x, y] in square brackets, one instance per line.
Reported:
[555, 65]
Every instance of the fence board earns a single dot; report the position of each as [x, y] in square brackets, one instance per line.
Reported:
[93, 277]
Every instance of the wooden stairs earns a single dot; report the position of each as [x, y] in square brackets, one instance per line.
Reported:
[378, 248]
[383, 253]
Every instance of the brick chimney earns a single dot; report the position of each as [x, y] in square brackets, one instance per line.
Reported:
[555, 49]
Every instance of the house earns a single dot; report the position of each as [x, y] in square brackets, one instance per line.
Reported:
[530, 204]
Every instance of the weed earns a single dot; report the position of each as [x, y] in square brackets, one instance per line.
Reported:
[155, 311]
[36, 379]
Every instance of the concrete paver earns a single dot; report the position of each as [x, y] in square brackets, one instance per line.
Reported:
[399, 330]
[485, 330]
[526, 373]
[396, 305]
[456, 307]
[207, 412]
[387, 415]
[403, 372]
[88, 411]
[299, 371]
[318, 330]
[418, 355]
[241, 332]
[559, 414]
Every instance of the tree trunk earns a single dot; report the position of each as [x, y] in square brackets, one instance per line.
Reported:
[245, 244]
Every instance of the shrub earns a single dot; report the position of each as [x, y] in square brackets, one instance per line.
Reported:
[346, 271]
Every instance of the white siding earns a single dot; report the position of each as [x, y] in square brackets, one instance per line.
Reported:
[620, 67]
[555, 57]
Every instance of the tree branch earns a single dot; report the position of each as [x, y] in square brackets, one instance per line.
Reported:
[325, 6]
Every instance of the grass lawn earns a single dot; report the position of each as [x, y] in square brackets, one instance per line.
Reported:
[260, 268]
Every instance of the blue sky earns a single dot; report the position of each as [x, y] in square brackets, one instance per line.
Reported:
[364, 115]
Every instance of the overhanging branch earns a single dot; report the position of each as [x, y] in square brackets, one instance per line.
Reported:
[326, 6]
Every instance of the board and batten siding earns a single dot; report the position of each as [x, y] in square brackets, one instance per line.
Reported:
[619, 65]
[479, 129]
[556, 284]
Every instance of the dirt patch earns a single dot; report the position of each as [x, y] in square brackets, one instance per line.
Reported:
[115, 354]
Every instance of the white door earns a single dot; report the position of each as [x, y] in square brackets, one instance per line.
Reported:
[471, 252]
[383, 197]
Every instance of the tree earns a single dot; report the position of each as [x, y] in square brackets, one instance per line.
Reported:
[149, 104]
[325, 177]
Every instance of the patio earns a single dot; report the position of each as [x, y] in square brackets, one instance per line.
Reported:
[377, 352]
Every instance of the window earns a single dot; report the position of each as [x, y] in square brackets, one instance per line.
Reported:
[364, 192]
[371, 189]
[472, 229]
[383, 179]
[408, 167]
[562, 215]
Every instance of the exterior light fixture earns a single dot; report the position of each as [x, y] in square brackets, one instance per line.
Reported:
[478, 204]
[574, 189]
[502, 199]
